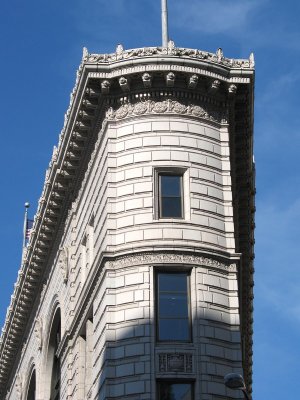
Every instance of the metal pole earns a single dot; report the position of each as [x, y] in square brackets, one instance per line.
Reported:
[164, 22]
[25, 224]
[246, 395]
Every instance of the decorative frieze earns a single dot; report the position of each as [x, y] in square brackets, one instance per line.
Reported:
[168, 106]
[170, 258]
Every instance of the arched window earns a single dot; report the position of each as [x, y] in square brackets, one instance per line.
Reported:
[32, 387]
[53, 359]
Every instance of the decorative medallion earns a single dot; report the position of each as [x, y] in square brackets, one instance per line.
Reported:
[160, 107]
[140, 108]
[179, 108]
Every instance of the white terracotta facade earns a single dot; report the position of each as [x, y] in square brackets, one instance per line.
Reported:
[98, 240]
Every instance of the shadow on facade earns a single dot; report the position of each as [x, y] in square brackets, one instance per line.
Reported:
[136, 365]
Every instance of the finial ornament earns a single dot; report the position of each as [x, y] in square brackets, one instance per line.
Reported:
[119, 49]
[171, 45]
[251, 60]
[85, 54]
[220, 54]
[26, 205]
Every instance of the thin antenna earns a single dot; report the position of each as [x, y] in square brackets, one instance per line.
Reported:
[164, 23]
[26, 205]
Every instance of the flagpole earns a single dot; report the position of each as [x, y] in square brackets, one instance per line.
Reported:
[164, 22]
[27, 205]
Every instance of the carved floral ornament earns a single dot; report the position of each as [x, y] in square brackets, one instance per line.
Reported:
[168, 258]
[165, 107]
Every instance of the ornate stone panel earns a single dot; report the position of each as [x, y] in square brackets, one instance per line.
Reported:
[170, 258]
[175, 363]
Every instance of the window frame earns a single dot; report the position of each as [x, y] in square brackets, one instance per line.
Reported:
[161, 197]
[173, 271]
[170, 171]
[159, 382]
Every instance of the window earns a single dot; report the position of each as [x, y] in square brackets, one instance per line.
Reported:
[173, 322]
[52, 368]
[170, 195]
[169, 390]
[32, 387]
[55, 380]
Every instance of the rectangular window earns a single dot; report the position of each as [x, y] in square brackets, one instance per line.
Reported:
[170, 195]
[173, 322]
[169, 390]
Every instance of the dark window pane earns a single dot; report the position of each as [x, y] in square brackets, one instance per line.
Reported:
[172, 282]
[174, 329]
[173, 305]
[170, 196]
[170, 185]
[171, 207]
[175, 391]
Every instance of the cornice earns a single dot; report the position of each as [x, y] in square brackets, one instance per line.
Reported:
[173, 72]
[171, 51]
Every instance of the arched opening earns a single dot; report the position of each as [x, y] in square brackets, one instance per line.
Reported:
[32, 387]
[53, 359]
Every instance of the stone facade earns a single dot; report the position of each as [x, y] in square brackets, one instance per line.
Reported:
[86, 295]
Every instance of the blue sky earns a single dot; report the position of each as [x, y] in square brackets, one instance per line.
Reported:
[41, 47]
